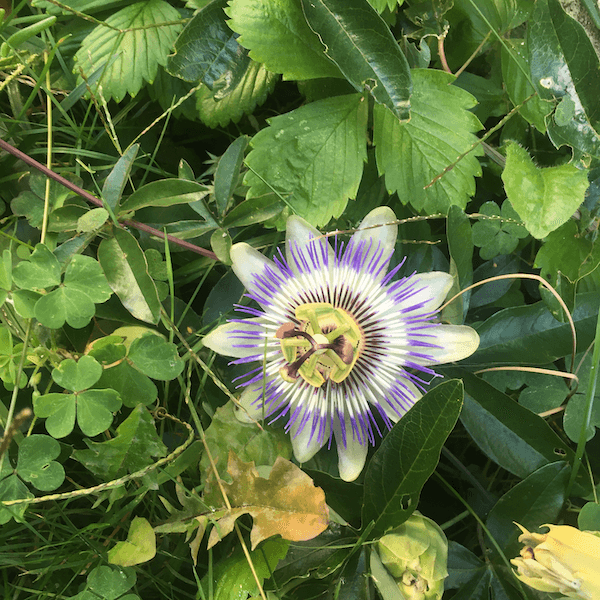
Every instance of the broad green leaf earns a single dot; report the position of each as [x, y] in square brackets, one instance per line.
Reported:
[276, 33]
[12, 488]
[41, 270]
[64, 304]
[126, 270]
[92, 220]
[360, 43]
[6, 270]
[36, 462]
[518, 87]
[165, 192]
[232, 577]
[139, 50]
[313, 157]
[130, 450]
[589, 517]
[155, 357]
[218, 110]
[564, 65]
[227, 174]
[286, 504]
[537, 499]
[509, 434]
[220, 242]
[77, 375]
[85, 275]
[207, 50]
[132, 386]
[249, 442]
[381, 5]
[544, 198]
[255, 210]
[59, 411]
[115, 183]
[140, 546]
[462, 566]
[412, 154]
[110, 583]
[95, 410]
[407, 457]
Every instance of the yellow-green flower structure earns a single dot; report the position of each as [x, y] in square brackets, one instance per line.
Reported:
[416, 556]
[338, 345]
[565, 560]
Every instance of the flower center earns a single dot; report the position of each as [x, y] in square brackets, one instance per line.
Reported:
[325, 345]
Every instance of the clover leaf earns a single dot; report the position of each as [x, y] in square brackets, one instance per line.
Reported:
[36, 462]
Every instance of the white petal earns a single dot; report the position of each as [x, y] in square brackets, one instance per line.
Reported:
[248, 410]
[412, 391]
[227, 339]
[456, 342]
[432, 289]
[304, 447]
[248, 263]
[300, 237]
[352, 457]
[377, 231]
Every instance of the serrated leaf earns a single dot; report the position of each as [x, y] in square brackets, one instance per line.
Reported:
[412, 154]
[250, 443]
[41, 270]
[85, 275]
[164, 193]
[36, 462]
[544, 198]
[564, 64]
[217, 110]
[313, 157]
[139, 50]
[77, 375]
[276, 33]
[287, 503]
[140, 546]
[408, 456]
[130, 450]
[360, 43]
[207, 50]
[155, 357]
[126, 270]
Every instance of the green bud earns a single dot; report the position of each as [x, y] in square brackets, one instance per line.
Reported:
[416, 555]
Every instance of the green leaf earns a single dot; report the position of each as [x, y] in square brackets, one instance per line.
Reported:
[59, 411]
[12, 488]
[440, 129]
[139, 50]
[115, 183]
[514, 67]
[77, 376]
[95, 410]
[255, 210]
[220, 242]
[155, 357]
[313, 157]
[36, 462]
[530, 335]
[6, 270]
[589, 517]
[208, 51]
[228, 172]
[41, 270]
[85, 275]
[537, 499]
[163, 193]
[544, 198]
[218, 110]
[408, 456]
[276, 33]
[92, 220]
[140, 546]
[64, 304]
[565, 65]
[386, 584]
[126, 270]
[509, 434]
[110, 583]
[132, 386]
[130, 450]
[249, 442]
[359, 42]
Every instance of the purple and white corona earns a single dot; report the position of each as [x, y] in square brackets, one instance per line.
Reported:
[338, 344]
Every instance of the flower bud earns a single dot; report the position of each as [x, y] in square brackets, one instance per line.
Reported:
[564, 560]
[416, 555]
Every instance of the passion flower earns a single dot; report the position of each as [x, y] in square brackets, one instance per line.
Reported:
[338, 344]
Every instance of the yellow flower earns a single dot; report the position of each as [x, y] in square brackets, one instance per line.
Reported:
[564, 560]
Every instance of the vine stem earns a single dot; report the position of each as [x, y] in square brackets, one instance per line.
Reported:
[97, 202]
